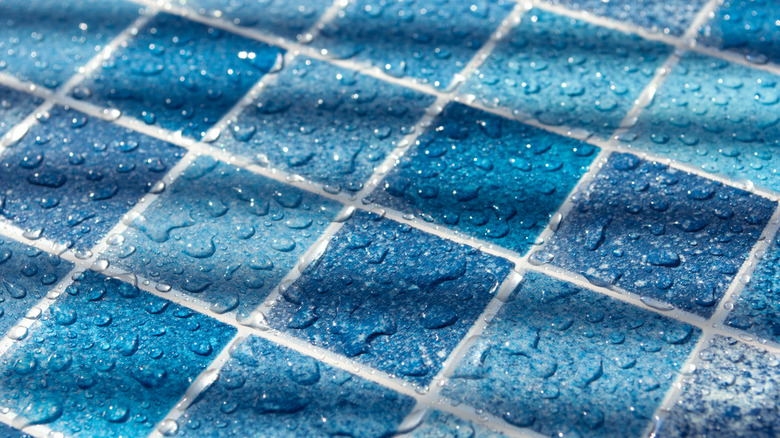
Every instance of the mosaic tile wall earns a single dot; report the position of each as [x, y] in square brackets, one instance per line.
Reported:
[424, 218]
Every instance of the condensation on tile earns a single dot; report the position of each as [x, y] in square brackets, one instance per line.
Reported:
[390, 296]
[326, 123]
[659, 232]
[566, 72]
[442, 425]
[107, 360]
[14, 107]
[566, 361]
[750, 27]
[486, 176]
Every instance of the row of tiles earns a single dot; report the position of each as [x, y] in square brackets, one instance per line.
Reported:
[333, 126]
[110, 360]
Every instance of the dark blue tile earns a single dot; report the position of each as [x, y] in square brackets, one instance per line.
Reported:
[486, 176]
[223, 234]
[72, 177]
[326, 123]
[718, 116]
[390, 296]
[9, 432]
[659, 232]
[731, 392]
[285, 18]
[669, 17]
[750, 27]
[566, 361]
[46, 41]
[428, 40]
[14, 107]
[107, 360]
[567, 72]
[440, 424]
[27, 274]
[268, 388]
[179, 75]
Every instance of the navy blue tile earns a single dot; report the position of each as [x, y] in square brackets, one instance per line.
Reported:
[179, 75]
[27, 274]
[566, 361]
[428, 40]
[567, 72]
[669, 17]
[486, 176]
[750, 27]
[326, 123]
[107, 360]
[14, 107]
[223, 234]
[731, 392]
[46, 41]
[439, 424]
[718, 116]
[268, 388]
[285, 18]
[390, 296]
[72, 177]
[659, 232]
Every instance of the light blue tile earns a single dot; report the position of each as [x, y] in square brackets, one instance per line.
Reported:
[665, 16]
[26, 275]
[732, 392]
[564, 360]
[47, 41]
[279, 17]
[223, 234]
[486, 176]
[442, 425]
[14, 107]
[567, 72]
[750, 27]
[390, 296]
[427, 40]
[72, 177]
[717, 116]
[107, 360]
[659, 232]
[326, 123]
[271, 390]
[179, 75]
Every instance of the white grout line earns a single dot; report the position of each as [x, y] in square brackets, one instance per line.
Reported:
[37, 431]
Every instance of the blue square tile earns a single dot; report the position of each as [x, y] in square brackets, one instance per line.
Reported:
[27, 274]
[428, 40]
[326, 123]
[668, 17]
[279, 17]
[718, 116]
[440, 424]
[268, 388]
[659, 232]
[567, 72]
[757, 308]
[564, 360]
[45, 41]
[72, 177]
[107, 360]
[750, 27]
[732, 392]
[390, 296]
[486, 176]
[224, 234]
[14, 107]
[179, 75]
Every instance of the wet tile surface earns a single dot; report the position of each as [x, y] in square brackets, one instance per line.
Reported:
[486, 176]
[267, 387]
[14, 107]
[565, 72]
[179, 75]
[71, 177]
[749, 27]
[107, 360]
[659, 233]
[440, 424]
[564, 360]
[390, 296]
[326, 123]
